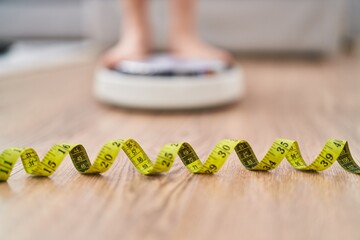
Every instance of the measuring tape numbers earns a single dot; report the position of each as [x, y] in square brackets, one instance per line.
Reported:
[334, 150]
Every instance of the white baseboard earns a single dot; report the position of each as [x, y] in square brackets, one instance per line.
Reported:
[30, 57]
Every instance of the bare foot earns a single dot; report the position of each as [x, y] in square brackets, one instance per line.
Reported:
[129, 48]
[192, 47]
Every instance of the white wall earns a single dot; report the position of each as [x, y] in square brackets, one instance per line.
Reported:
[55, 18]
[242, 25]
[353, 21]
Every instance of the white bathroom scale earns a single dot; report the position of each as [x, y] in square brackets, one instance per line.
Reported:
[169, 83]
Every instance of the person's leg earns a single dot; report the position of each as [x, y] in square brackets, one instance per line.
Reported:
[184, 40]
[135, 36]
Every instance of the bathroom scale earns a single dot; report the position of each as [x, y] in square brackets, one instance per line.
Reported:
[167, 82]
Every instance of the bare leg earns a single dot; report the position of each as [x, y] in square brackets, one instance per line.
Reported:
[135, 40]
[184, 40]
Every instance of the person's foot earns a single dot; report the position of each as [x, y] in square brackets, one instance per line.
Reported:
[194, 48]
[129, 48]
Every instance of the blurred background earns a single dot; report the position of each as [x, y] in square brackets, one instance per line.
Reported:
[36, 34]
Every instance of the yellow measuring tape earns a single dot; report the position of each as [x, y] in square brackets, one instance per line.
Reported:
[280, 149]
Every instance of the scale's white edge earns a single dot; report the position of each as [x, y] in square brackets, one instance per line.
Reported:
[177, 92]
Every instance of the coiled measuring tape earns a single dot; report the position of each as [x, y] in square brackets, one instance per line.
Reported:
[280, 149]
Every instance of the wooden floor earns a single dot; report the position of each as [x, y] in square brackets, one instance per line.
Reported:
[305, 100]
